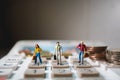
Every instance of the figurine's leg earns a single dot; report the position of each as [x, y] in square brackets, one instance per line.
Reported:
[82, 58]
[37, 55]
[40, 58]
[79, 56]
[60, 59]
[57, 59]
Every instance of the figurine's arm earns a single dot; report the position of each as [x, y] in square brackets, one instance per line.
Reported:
[40, 50]
[61, 50]
[55, 50]
[78, 46]
[34, 53]
[85, 48]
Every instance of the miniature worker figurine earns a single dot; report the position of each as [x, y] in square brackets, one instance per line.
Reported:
[37, 53]
[82, 48]
[58, 52]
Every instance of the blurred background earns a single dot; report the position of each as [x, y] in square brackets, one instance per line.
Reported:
[59, 19]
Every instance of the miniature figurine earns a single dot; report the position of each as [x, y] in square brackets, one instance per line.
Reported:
[37, 53]
[82, 48]
[58, 52]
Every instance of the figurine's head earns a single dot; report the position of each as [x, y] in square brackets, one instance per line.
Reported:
[36, 46]
[81, 42]
[58, 43]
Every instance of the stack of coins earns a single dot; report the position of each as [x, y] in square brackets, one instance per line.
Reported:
[113, 56]
[97, 56]
[97, 52]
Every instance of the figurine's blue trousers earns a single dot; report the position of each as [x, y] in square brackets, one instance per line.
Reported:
[81, 58]
[38, 56]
